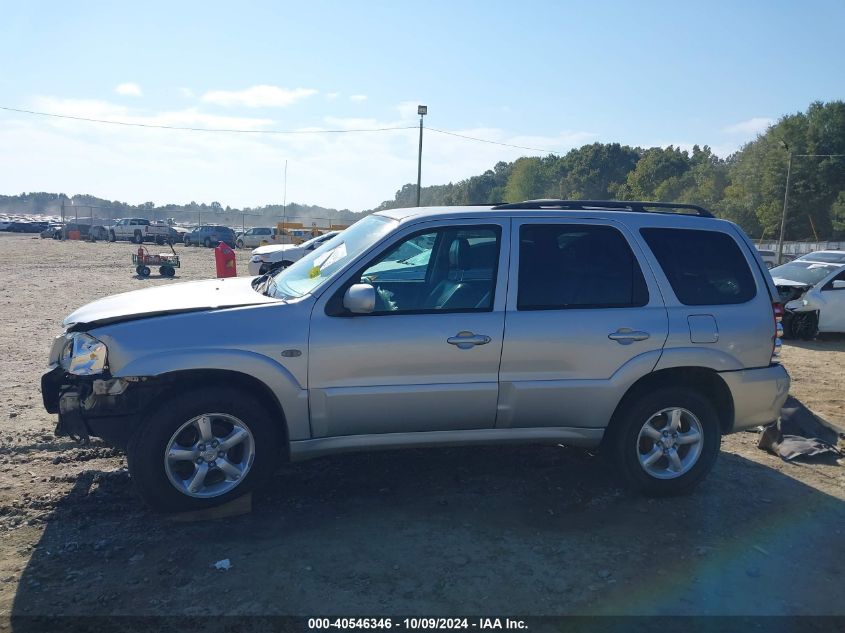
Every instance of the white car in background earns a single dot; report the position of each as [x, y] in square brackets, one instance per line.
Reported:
[265, 259]
[813, 294]
[257, 235]
[833, 257]
[770, 258]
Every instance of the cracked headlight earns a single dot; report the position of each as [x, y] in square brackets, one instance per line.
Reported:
[83, 355]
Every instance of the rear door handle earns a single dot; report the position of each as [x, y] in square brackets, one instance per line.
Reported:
[626, 336]
[468, 340]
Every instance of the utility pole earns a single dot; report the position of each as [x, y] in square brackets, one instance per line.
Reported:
[785, 204]
[422, 111]
[285, 200]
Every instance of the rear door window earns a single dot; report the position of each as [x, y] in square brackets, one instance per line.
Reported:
[577, 266]
[703, 267]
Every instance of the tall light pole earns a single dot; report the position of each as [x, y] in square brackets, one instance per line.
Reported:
[785, 203]
[422, 111]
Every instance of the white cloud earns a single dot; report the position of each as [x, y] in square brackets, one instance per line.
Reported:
[186, 92]
[260, 96]
[408, 110]
[128, 89]
[331, 96]
[749, 127]
[358, 98]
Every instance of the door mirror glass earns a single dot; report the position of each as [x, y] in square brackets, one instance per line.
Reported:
[360, 299]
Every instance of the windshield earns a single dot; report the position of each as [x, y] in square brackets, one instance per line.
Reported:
[803, 272]
[836, 258]
[326, 261]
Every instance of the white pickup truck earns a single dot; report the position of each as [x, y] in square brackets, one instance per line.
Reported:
[139, 230]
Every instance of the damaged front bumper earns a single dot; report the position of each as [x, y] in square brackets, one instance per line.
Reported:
[98, 406]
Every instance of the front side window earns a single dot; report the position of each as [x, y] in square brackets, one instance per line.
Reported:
[575, 266]
[703, 267]
[449, 269]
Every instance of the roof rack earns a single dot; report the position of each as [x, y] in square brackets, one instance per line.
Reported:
[615, 205]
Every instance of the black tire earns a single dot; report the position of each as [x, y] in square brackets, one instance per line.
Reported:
[145, 271]
[240, 244]
[805, 325]
[186, 241]
[138, 269]
[280, 266]
[625, 443]
[167, 271]
[146, 449]
[138, 238]
[207, 242]
[112, 237]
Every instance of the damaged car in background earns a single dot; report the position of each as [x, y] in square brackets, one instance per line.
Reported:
[813, 295]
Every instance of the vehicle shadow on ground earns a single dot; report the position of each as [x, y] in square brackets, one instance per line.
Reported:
[513, 530]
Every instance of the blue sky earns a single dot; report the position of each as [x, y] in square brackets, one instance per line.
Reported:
[550, 75]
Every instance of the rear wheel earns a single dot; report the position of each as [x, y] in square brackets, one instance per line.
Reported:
[240, 244]
[207, 242]
[138, 238]
[667, 441]
[202, 449]
[112, 237]
[167, 271]
[145, 271]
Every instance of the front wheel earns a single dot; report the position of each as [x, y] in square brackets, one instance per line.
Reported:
[666, 441]
[202, 449]
[138, 238]
[207, 242]
[804, 325]
[240, 244]
[112, 237]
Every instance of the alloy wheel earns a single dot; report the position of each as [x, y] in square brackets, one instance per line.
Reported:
[209, 455]
[670, 443]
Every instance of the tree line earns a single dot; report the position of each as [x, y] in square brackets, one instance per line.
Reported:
[746, 187]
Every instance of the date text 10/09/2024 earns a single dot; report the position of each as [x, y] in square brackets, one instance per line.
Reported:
[418, 623]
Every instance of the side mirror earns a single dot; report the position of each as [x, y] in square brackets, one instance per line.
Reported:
[839, 284]
[360, 299]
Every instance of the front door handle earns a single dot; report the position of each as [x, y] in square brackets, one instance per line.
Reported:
[626, 336]
[468, 340]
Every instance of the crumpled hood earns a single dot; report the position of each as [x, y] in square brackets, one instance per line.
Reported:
[169, 299]
[780, 281]
[273, 248]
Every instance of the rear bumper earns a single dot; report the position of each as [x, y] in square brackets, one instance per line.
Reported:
[758, 395]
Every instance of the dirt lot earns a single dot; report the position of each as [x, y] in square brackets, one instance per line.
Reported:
[528, 530]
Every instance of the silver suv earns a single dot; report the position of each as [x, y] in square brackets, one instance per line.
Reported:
[647, 330]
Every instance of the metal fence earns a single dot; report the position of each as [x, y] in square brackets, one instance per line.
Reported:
[795, 249]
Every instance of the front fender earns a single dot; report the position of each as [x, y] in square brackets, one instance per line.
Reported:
[292, 397]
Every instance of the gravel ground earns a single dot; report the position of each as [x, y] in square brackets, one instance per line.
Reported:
[517, 530]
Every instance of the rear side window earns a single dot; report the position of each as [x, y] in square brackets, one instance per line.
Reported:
[575, 266]
[703, 267]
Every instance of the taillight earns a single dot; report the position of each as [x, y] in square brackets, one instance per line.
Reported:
[777, 311]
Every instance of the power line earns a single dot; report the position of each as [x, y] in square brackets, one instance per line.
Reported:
[484, 140]
[243, 131]
[202, 129]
